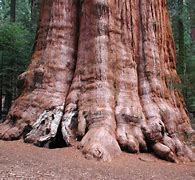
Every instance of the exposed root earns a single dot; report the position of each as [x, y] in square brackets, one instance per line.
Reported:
[134, 136]
[10, 132]
[45, 128]
[172, 149]
[69, 123]
[100, 143]
[129, 133]
[164, 152]
[131, 138]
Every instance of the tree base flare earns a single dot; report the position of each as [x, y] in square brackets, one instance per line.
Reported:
[99, 143]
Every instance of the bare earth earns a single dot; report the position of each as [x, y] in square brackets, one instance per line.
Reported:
[24, 161]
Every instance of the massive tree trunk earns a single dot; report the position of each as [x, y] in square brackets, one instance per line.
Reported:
[103, 71]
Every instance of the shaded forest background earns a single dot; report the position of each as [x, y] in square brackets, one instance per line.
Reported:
[18, 24]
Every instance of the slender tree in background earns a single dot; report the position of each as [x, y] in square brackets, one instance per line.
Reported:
[192, 16]
[34, 10]
[181, 37]
[103, 71]
[13, 11]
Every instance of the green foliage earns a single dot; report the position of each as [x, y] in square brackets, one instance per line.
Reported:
[190, 85]
[14, 54]
[16, 42]
[4, 10]
[23, 12]
[181, 25]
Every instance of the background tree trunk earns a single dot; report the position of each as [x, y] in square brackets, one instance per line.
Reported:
[192, 16]
[181, 43]
[35, 6]
[8, 93]
[103, 71]
[13, 11]
[1, 88]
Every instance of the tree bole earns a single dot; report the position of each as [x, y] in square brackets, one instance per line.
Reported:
[104, 72]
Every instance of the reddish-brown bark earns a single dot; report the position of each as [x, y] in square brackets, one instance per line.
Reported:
[50, 73]
[115, 90]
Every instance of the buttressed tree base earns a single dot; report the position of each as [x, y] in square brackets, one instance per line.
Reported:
[103, 72]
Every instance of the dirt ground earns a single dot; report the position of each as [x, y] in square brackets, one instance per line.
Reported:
[24, 161]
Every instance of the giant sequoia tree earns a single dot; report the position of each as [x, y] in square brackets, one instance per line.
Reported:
[103, 71]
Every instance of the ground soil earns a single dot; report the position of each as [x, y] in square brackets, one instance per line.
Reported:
[24, 161]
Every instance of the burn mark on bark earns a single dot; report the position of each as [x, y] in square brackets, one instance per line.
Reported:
[99, 8]
[38, 77]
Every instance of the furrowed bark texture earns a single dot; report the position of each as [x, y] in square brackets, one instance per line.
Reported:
[50, 73]
[103, 71]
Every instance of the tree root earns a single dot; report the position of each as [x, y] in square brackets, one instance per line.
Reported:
[10, 132]
[100, 143]
[131, 138]
[69, 123]
[137, 138]
[173, 149]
